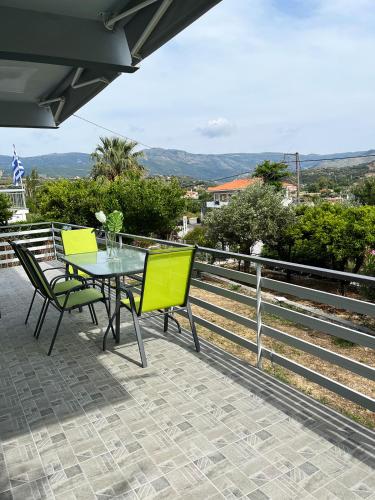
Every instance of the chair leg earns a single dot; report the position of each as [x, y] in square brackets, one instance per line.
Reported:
[91, 314]
[193, 329]
[109, 317]
[55, 334]
[109, 327]
[166, 317]
[139, 339]
[41, 319]
[31, 305]
[94, 314]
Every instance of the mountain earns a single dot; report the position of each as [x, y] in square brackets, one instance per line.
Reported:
[175, 162]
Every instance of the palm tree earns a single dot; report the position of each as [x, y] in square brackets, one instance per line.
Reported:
[114, 157]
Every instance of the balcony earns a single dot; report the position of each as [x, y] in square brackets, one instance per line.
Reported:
[18, 201]
[88, 424]
[216, 204]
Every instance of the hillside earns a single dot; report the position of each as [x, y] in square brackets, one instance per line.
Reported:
[181, 163]
[344, 176]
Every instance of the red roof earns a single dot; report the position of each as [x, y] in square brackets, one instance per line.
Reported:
[235, 185]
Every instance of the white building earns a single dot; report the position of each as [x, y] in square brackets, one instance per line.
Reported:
[18, 200]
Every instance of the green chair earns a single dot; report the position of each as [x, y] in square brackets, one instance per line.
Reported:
[78, 241]
[59, 288]
[165, 285]
[77, 297]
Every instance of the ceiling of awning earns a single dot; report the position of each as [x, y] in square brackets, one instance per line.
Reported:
[56, 55]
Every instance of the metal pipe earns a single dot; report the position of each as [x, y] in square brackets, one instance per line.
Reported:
[259, 315]
[150, 28]
[77, 76]
[109, 23]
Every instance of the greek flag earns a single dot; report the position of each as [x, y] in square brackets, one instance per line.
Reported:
[18, 170]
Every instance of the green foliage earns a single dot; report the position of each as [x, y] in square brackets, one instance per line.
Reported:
[334, 236]
[5, 212]
[72, 201]
[150, 206]
[32, 182]
[364, 192]
[192, 206]
[114, 221]
[115, 157]
[369, 269]
[255, 214]
[272, 173]
[199, 236]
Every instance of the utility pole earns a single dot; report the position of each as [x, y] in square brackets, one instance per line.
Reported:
[298, 174]
[297, 162]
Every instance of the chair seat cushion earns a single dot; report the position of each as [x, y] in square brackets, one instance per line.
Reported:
[65, 286]
[81, 297]
[137, 300]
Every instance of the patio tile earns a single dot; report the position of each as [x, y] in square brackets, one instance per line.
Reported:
[85, 425]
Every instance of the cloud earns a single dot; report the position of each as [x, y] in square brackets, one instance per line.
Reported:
[218, 127]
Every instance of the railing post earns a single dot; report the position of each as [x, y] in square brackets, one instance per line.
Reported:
[53, 239]
[259, 314]
[120, 240]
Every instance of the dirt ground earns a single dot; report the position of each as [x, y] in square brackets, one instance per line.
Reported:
[362, 354]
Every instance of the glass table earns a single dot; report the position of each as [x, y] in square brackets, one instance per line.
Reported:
[129, 261]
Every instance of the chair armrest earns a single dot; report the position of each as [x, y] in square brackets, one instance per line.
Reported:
[65, 276]
[52, 269]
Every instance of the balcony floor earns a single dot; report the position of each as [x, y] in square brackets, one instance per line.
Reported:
[85, 424]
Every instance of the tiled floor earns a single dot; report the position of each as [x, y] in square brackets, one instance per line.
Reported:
[85, 424]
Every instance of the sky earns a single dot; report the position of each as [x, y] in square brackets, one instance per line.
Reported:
[248, 76]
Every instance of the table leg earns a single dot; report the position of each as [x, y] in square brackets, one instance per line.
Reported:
[118, 300]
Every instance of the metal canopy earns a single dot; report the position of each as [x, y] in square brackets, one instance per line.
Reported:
[56, 55]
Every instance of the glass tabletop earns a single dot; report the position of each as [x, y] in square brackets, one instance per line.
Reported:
[97, 264]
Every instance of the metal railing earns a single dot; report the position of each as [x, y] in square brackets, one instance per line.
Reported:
[46, 236]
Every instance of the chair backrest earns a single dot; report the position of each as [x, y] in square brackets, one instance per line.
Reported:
[79, 241]
[37, 273]
[166, 278]
[18, 251]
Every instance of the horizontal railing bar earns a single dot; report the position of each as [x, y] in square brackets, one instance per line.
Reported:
[31, 240]
[223, 332]
[32, 249]
[226, 273]
[223, 292]
[237, 318]
[320, 352]
[23, 233]
[37, 255]
[338, 301]
[321, 380]
[27, 225]
[321, 325]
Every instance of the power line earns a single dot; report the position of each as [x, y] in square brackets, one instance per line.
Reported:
[111, 131]
[330, 159]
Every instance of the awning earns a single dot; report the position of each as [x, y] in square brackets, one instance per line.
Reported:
[56, 55]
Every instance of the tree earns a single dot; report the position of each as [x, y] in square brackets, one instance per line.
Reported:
[272, 173]
[150, 206]
[256, 214]
[71, 201]
[32, 182]
[115, 157]
[330, 235]
[364, 192]
[5, 209]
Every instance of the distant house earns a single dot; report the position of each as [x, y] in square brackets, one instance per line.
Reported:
[191, 194]
[223, 193]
